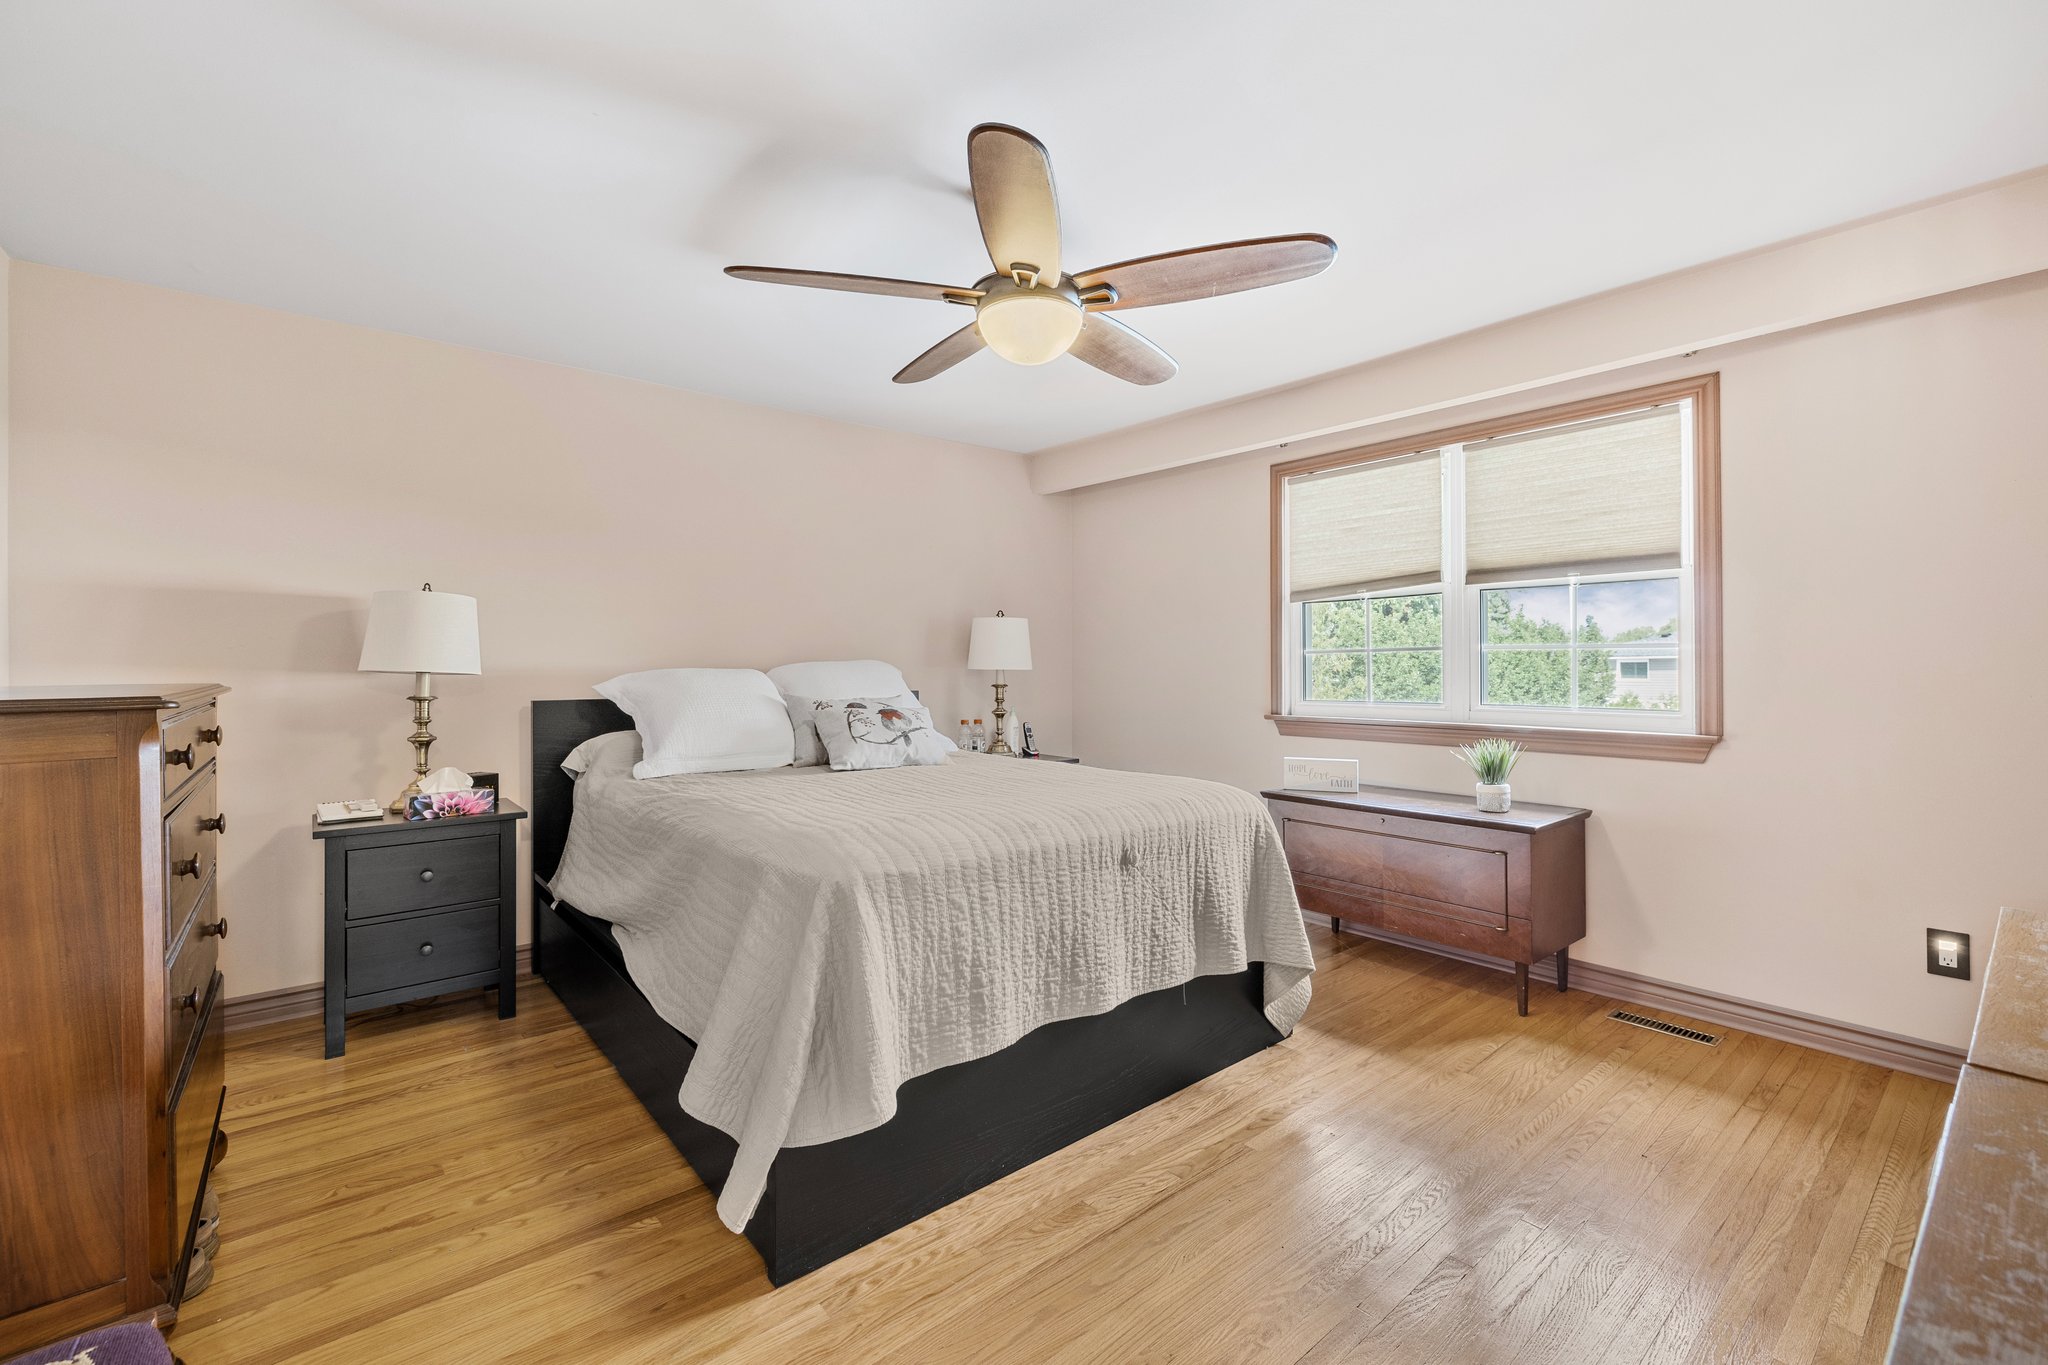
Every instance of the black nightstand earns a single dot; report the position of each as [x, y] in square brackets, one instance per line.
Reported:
[1042, 757]
[418, 908]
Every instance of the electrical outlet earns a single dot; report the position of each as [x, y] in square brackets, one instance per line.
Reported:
[1948, 953]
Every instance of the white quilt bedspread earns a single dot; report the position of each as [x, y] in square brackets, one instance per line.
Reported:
[825, 936]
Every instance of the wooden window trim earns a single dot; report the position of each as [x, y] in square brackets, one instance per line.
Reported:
[1705, 391]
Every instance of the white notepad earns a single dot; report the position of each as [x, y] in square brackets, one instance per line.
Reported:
[339, 812]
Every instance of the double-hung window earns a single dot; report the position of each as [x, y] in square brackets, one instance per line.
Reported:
[1552, 577]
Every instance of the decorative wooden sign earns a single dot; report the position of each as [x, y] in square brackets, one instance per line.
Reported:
[1321, 775]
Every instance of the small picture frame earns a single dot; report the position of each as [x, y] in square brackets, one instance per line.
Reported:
[451, 805]
[1320, 774]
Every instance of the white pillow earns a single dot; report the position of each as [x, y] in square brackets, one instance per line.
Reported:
[844, 678]
[616, 752]
[860, 735]
[810, 750]
[704, 720]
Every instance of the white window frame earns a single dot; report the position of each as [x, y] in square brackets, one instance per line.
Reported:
[1305, 653]
[1462, 647]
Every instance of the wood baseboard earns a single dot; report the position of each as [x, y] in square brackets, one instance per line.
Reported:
[306, 1002]
[1936, 1061]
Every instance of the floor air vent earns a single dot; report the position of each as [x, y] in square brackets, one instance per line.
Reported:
[1691, 1035]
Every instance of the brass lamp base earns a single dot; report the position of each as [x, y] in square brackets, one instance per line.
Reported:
[1000, 745]
[422, 739]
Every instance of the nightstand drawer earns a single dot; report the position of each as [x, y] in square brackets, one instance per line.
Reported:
[420, 875]
[421, 948]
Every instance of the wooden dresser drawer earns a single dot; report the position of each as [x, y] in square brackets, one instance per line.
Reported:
[1340, 900]
[1443, 924]
[1476, 877]
[420, 875]
[192, 963]
[190, 742]
[191, 841]
[421, 948]
[194, 1118]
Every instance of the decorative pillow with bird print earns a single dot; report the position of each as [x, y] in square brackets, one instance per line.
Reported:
[803, 711]
[860, 735]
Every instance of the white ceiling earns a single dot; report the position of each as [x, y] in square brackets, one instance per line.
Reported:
[563, 181]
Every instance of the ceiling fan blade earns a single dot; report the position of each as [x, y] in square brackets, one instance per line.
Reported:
[1205, 271]
[943, 356]
[855, 284]
[1115, 349]
[1014, 199]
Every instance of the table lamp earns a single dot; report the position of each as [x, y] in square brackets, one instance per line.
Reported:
[1001, 644]
[421, 633]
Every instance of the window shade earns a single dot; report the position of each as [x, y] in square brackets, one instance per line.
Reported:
[1595, 497]
[1365, 528]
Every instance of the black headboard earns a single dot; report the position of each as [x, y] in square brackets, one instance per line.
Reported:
[558, 727]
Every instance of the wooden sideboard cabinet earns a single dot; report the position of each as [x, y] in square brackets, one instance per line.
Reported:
[1437, 868]
[111, 1058]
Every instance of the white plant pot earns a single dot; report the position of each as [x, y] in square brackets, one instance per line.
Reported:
[1494, 798]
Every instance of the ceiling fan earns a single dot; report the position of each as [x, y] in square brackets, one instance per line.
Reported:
[1028, 310]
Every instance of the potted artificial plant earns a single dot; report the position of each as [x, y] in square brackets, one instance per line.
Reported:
[1491, 760]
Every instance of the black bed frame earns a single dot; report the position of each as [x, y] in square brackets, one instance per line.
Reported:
[955, 1130]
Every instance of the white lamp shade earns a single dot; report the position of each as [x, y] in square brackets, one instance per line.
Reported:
[1000, 643]
[421, 632]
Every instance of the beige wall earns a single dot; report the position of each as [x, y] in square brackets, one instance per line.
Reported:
[208, 491]
[1885, 486]
[204, 490]
[1994, 232]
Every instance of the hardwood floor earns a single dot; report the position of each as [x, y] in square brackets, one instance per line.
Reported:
[1416, 1176]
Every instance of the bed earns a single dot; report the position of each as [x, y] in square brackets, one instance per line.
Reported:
[951, 1126]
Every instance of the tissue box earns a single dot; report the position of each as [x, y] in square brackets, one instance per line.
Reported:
[448, 805]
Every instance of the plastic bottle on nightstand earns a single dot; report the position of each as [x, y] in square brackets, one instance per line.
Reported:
[966, 739]
[980, 736]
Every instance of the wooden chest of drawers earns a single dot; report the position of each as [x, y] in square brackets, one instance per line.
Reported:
[111, 1057]
[1436, 868]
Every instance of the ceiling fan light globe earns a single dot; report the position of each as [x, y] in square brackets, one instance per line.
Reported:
[1029, 326]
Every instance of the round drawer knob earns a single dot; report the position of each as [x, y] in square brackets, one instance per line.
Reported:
[189, 867]
[426, 874]
[189, 1002]
[217, 929]
[218, 824]
[210, 736]
[426, 950]
[185, 756]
